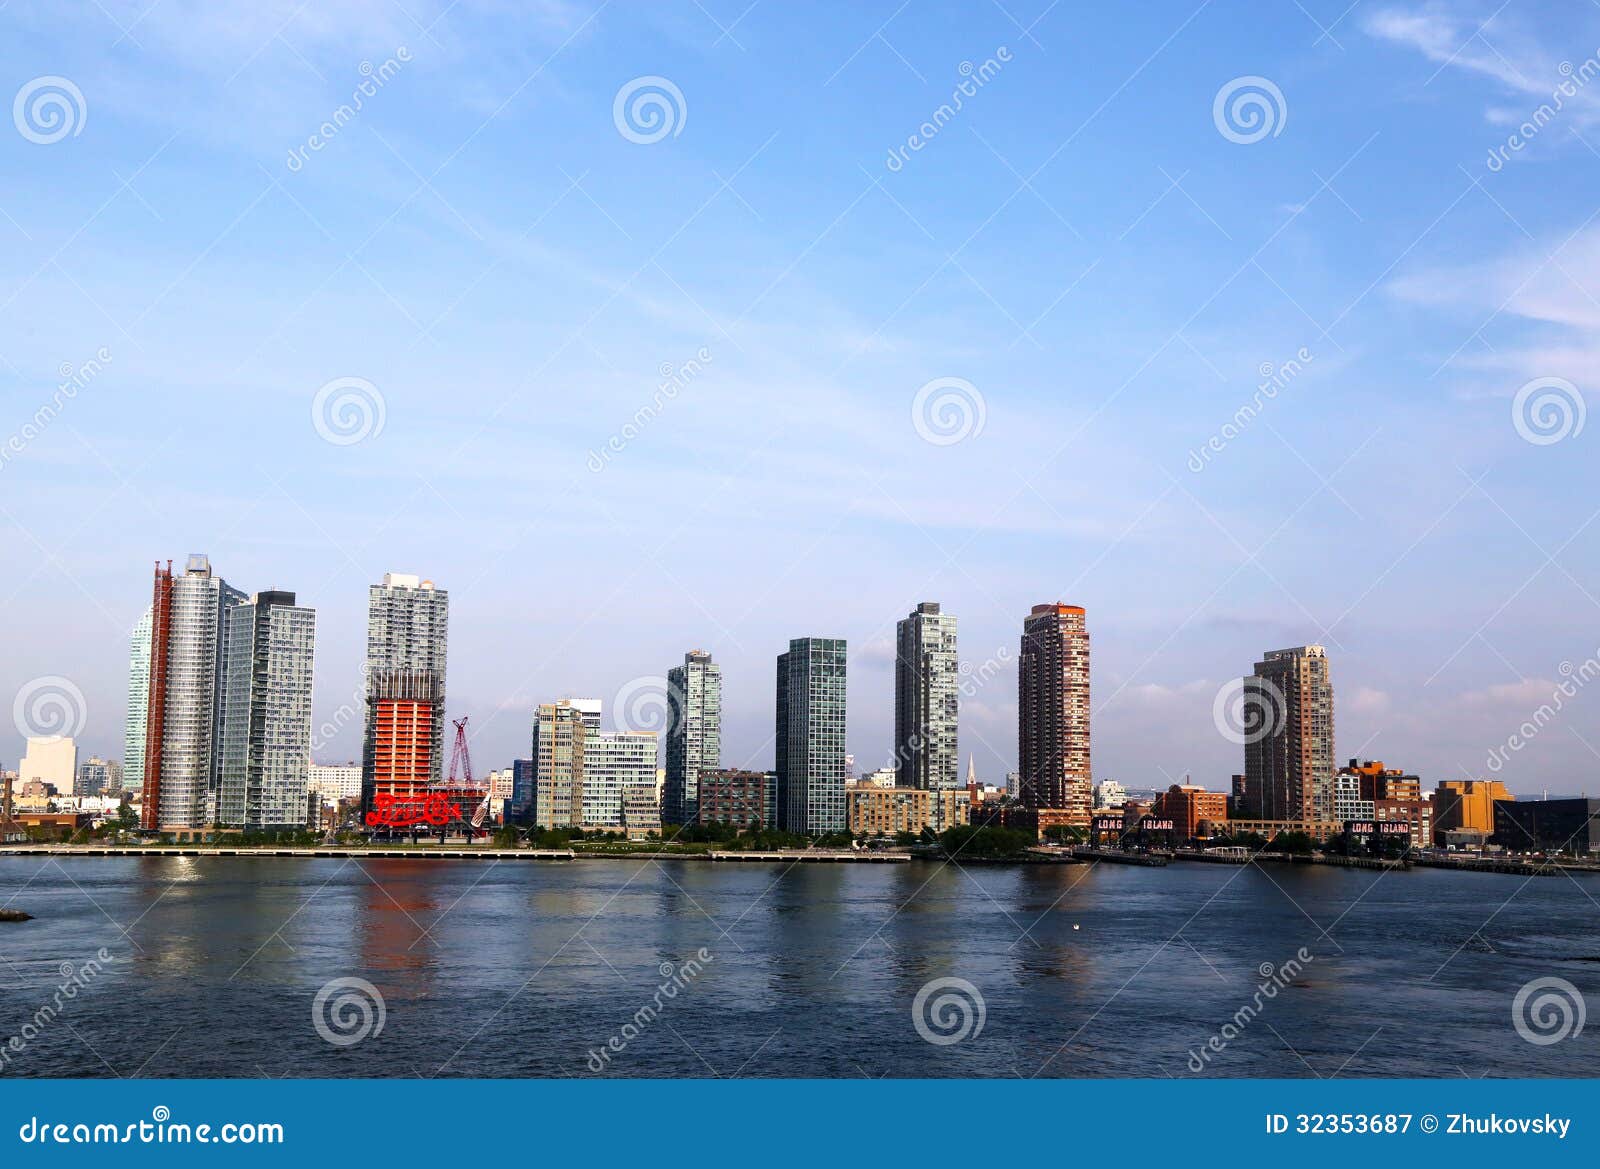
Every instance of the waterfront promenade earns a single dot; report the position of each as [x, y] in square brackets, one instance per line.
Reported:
[1081, 854]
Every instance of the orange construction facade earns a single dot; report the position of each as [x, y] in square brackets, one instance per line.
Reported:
[402, 734]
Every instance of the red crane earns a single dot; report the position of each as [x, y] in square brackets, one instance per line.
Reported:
[460, 759]
[461, 774]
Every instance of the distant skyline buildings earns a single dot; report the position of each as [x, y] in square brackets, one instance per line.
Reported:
[98, 777]
[52, 759]
[694, 734]
[1053, 712]
[810, 735]
[335, 781]
[238, 788]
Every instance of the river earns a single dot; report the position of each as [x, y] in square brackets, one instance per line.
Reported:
[213, 967]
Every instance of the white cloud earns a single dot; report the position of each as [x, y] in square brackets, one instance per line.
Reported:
[1494, 46]
[1367, 700]
[1550, 282]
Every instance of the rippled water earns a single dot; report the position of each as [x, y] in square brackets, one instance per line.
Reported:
[524, 969]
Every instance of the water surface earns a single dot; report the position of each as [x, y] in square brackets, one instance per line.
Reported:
[527, 969]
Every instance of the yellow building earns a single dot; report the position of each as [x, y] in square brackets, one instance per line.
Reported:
[1466, 804]
[890, 810]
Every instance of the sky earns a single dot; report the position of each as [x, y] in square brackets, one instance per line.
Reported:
[647, 327]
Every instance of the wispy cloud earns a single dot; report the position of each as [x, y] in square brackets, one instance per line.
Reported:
[1498, 44]
[1548, 285]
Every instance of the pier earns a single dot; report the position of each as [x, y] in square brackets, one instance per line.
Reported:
[1242, 857]
[377, 853]
[1515, 868]
[815, 855]
[1150, 860]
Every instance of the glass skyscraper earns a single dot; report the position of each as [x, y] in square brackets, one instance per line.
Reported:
[694, 734]
[219, 705]
[926, 699]
[185, 665]
[811, 736]
[138, 706]
[264, 717]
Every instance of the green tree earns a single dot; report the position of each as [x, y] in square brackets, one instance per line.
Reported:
[965, 840]
[1292, 842]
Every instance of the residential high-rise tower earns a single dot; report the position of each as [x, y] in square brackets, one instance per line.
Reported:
[811, 736]
[558, 745]
[694, 734]
[926, 699]
[138, 705]
[1288, 752]
[1053, 712]
[185, 667]
[408, 624]
[264, 713]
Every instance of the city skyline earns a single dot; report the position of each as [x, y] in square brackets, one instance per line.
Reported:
[1270, 694]
[781, 369]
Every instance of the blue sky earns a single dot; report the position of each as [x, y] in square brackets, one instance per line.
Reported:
[1104, 269]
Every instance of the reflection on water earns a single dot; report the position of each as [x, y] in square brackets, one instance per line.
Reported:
[523, 969]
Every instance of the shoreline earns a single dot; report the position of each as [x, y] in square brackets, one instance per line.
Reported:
[1079, 855]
